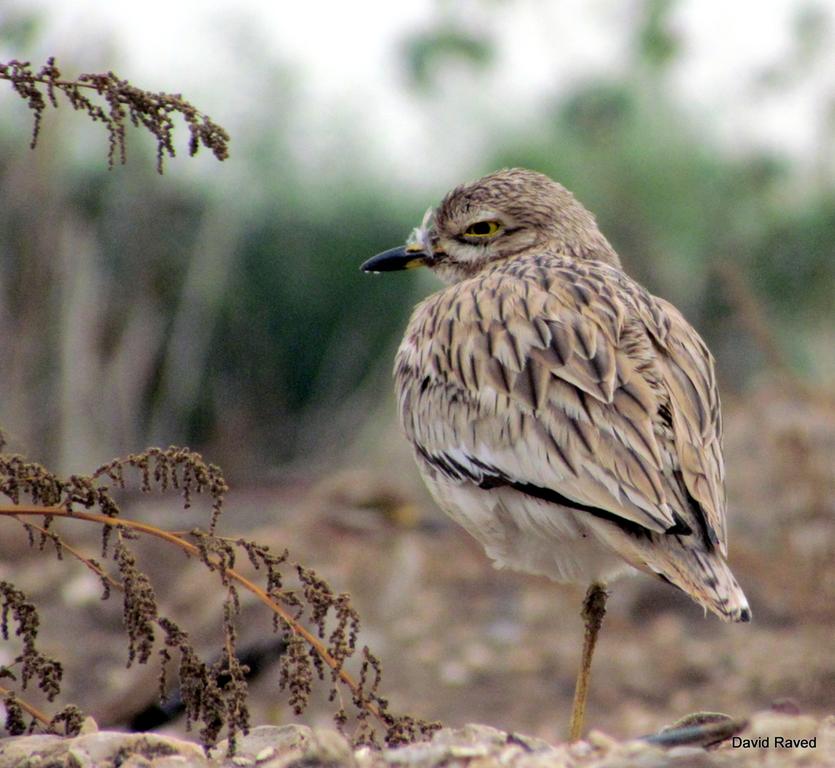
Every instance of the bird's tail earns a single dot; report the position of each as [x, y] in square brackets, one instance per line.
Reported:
[706, 577]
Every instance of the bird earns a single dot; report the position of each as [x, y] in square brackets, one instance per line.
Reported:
[563, 415]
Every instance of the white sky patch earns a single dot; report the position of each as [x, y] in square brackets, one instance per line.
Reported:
[729, 47]
[347, 57]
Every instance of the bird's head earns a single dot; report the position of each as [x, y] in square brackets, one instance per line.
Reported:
[503, 215]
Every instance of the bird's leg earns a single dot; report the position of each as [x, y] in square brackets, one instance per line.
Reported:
[594, 609]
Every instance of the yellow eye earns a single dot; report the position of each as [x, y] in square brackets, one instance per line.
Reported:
[483, 229]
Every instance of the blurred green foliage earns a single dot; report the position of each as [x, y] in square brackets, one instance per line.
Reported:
[428, 53]
[289, 339]
[657, 42]
[303, 326]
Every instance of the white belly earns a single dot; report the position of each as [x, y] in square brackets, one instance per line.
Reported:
[526, 534]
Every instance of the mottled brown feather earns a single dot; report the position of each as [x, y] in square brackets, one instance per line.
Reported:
[549, 366]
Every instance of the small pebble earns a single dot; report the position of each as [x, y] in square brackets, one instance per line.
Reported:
[467, 751]
[89, 725]
[580, 749]
[601, 740]
[677, 752]
[265, 754]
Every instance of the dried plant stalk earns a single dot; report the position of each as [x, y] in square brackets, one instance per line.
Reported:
[119, 102]
[311, 651]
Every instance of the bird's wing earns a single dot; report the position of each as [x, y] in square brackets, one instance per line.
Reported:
[545, 379]
[687, 373]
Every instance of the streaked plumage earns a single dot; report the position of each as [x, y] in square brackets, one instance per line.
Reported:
[567, 418]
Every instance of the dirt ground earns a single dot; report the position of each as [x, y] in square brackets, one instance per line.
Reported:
[461, 642]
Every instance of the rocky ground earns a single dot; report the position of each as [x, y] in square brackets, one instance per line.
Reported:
[475, 746]
[462, 643]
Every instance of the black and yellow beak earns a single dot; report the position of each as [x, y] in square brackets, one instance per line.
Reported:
[402, 257]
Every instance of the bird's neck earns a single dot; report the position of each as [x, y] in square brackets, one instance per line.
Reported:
[593, 247]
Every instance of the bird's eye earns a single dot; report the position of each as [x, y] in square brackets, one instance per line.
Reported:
[483, 229]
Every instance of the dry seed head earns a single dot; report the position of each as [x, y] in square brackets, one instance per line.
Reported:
[121, 102]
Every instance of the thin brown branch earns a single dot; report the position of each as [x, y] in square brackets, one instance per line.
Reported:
[92, 86]
[30, 709]
[752, 315]
[231, 573]
[754, 319]
[80, 556]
